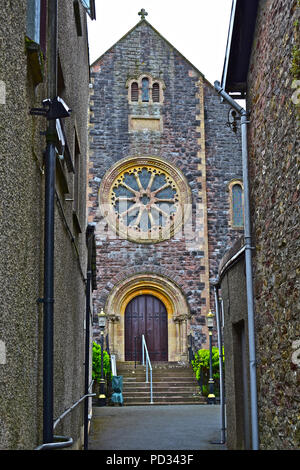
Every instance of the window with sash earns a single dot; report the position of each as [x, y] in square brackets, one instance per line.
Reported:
[36, 24]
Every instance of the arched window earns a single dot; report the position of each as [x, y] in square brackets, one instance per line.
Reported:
[145, 89]
[237, 206]
[155, 93]
[134, 91]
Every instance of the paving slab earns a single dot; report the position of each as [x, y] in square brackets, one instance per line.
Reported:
[165, 427]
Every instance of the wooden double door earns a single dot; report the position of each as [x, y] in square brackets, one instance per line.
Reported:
[146, 315]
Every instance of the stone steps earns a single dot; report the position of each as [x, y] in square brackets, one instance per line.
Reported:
[158, 378]
[174, 395]
[141, 387]
[173, 384]
[135, 401]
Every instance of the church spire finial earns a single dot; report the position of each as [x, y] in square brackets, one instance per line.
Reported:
[143, 13]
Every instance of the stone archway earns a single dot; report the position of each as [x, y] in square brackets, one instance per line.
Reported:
[170, 295]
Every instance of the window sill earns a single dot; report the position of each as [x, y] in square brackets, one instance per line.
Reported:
[146, 103]
[35, 60]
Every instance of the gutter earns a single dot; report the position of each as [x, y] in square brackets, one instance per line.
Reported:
[248, 261]
[229, 38]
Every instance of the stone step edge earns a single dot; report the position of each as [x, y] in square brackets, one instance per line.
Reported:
[157, 375]
[154, 379]
[179, 392]
[157, 378]
[165, 403]
[177, 397]
[160, 389]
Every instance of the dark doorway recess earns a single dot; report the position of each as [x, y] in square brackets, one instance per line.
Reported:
[146, 315]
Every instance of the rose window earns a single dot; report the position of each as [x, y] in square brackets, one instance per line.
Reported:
[145, 201]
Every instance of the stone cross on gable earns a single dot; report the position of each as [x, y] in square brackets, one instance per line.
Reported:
[143, 13]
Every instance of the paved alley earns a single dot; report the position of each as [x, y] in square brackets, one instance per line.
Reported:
[183, 427]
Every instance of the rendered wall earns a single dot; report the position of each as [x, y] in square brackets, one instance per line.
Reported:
[232, 292]
[22, 227]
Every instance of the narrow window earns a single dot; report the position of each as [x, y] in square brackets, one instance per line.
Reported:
[77, 17]
[60, 78]
[76, 190]
[155, 93]
[237, 206]
[89, 5]
[134, 92]
[43, 26]
[33, 20]
[36, 22]
[145, 89]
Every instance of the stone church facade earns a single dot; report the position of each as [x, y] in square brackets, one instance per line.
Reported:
[164, 192]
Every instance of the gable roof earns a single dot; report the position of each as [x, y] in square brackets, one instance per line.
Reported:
[162, 37]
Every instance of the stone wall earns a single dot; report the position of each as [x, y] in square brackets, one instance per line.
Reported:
[274, 166]
[188, 113]
[223, 164]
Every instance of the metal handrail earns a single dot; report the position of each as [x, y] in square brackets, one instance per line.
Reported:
[148, 364]
[64, 441]
[113, 364]
[61, 442]
[84, 397]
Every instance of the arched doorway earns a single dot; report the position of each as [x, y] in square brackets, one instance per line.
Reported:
[146, 315]
[160, 287]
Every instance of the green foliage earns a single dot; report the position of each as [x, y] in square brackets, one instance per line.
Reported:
[201, 368]
[295, 68]
[96, 371]
[201, 361]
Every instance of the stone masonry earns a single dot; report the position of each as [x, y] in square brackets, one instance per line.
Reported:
[274, 167]
[193, 138]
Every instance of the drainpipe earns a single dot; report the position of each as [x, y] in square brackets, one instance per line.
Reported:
[220, 346]
[90, 232]
[87, 356]
[248, 262]
[49, 231]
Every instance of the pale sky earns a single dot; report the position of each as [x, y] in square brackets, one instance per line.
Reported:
[197, 28]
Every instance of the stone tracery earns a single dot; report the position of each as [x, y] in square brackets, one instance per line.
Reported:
[144, 199]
